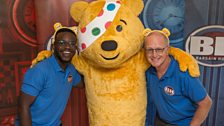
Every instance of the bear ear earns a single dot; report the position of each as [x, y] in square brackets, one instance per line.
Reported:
[166, 32]
[75, 29]
[57, 26]
[77, 9]
[135, 5]
[146, 32]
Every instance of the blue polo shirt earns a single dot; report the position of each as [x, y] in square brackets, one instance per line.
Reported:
[174, 95]
[51, 86]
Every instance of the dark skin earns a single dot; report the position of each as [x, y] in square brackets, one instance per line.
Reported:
[63, 53]
[25, 101]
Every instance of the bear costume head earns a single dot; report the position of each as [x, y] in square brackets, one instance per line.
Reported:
[105, 28]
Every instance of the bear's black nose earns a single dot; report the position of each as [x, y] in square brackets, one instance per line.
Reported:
[109, 45]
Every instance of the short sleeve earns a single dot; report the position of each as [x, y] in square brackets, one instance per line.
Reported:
[33, 81]
[194, 89]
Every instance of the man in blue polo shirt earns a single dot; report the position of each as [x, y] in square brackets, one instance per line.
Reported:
[47, 86]
[174, 97]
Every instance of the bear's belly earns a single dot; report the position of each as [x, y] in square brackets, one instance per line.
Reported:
[119, 101]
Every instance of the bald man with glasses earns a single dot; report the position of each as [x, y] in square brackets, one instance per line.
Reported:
[174, 97]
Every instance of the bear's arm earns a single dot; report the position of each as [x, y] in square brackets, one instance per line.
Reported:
[186, 61]
[80, 64]
[140, 59]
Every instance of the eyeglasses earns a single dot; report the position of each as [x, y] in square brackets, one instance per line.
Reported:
[159, 51]
[63, 43]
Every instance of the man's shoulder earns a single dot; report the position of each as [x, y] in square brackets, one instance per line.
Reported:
[44, 65]
[176, 68]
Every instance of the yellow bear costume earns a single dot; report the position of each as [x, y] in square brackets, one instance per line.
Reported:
[112, 61]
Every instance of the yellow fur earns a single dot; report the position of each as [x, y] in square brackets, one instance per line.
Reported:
[115, 89]
[116, 96]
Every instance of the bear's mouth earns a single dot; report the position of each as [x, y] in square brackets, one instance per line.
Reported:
[111, 58]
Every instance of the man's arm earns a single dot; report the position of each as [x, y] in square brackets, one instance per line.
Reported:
[25, 101]
[202, 111]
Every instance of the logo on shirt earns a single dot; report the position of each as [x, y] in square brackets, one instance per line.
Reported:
[169, 90]
[70, 78]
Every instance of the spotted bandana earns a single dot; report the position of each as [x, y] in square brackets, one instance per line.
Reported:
[98, 26]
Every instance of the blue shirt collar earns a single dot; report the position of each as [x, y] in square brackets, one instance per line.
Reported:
[56, 65]
[170, 69]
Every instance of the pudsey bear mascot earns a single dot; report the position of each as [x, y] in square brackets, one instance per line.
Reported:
[112, 61]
